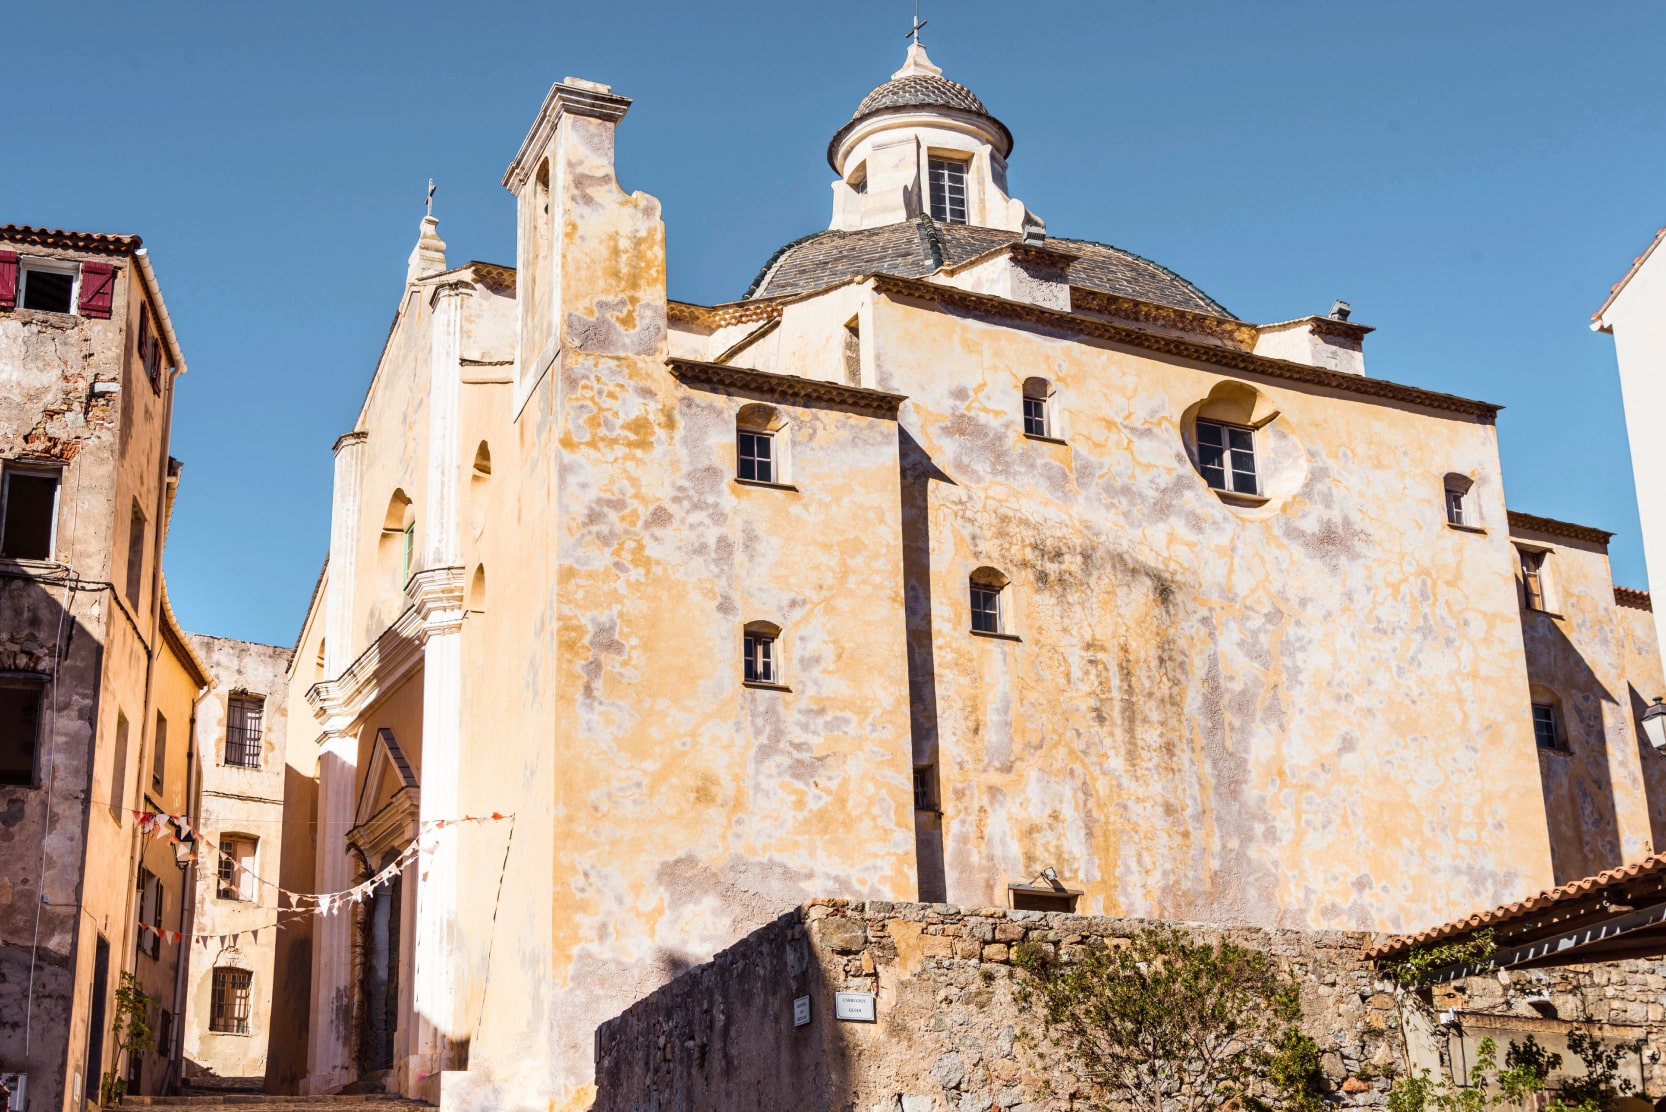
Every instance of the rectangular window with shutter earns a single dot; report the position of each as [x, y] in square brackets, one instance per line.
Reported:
[46, 286]
[118, 768]
[135, 554]
[97, 292]
[150, 912]
[8, 279]
[21, 701]
[228, 1012]
[237, 869]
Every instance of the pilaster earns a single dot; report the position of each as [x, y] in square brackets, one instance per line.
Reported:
[436, 594]
[344, 553]
[440, 545]
[328, 1059]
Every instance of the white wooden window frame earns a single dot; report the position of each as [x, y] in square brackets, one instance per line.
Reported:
[26, 263]
[56, 474]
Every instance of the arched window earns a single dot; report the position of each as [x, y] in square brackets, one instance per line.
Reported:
[480, 481]
[397, 551]
[1460, 500]
[987, 589]
[760, 653]
[1038, 409]
[477, 590]
[761, 447]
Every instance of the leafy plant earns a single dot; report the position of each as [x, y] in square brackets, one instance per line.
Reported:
[1167, 1024]
[131, 1026]
[1526, 1073]
[1413, 970]
[1602, 1082]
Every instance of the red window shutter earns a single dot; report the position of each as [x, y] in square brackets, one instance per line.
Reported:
[98, 290]
[8, 279]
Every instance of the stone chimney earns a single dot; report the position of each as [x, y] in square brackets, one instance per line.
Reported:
[1334, 342]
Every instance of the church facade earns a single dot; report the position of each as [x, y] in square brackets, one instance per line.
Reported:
[954, 561]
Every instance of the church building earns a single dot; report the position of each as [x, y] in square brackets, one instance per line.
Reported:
[955, 560]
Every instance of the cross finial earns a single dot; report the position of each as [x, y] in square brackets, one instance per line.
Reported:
[914, 31]
[431, 196]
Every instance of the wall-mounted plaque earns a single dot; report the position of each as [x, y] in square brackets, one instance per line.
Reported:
[855, 1006]
[801, 1011]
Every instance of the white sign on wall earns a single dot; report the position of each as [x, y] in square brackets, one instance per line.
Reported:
[855, 1006]
[801, 1011]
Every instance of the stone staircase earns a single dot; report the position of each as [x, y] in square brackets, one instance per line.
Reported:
[267, 1102]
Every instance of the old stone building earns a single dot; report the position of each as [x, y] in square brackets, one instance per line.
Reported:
[97, 683]
[241, 730]
[955, 561]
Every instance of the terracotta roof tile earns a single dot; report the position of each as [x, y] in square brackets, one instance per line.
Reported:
[1559, 528]
[1511, 912]
[1632, 598]
[74, 241]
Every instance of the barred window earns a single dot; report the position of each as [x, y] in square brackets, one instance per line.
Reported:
[243, 722]
[229, 1011]
[948, 189]
[1226, 454]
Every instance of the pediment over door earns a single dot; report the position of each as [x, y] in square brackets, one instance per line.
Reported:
[385, 819]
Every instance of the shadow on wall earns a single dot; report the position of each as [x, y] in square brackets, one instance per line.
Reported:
[286, 1039]
[724, 1035]
[918, 472]
[1576, 778]
[50, 666]
[1654, 772]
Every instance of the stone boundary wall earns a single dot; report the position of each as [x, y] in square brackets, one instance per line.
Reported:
[947, 1031]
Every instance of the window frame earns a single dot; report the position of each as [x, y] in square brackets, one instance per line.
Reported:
[37, 471]
[24, 681]
[72, 267]
[994, 613]
[235, 881]
[1229, 472]
[964, 166]
[1535, 583]
[760, 657]
[229, 987]
[772, 461]
[246, 743]
[1551, 716]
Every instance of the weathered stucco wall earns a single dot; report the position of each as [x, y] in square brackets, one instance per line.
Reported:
[247, 802]
[90, 644]
[950, 1034]
[1584, 659]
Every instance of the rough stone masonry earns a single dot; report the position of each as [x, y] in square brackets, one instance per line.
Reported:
[949, 1033]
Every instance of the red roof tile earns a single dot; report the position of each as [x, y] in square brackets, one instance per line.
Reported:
[74, 241]
[1512, 912]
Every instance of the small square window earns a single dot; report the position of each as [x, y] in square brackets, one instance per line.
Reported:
[1226, 455]
[756, 456]
[986, 609]
[1545, 730]
[28, 513]
[49, 290]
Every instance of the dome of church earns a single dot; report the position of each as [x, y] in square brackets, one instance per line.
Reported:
[917, 89]
[921, 246]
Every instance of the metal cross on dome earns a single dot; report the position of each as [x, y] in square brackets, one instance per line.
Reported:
[430, 196]
[914, 32]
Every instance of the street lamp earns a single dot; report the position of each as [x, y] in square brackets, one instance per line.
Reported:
[1654, 725]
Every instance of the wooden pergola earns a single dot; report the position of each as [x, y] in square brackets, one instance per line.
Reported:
[1614, 915]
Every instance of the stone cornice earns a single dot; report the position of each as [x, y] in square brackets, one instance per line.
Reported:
[1240, 361]
[387, 661]
[436, 596]
[453, 287]
[787, 388]
[347, 439]
[721, 316]
[561, 100]
[1551, 526]
[1240, 334]
[1632, 598]
[1019, 252]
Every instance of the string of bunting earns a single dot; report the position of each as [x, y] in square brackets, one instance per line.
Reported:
[159, 824]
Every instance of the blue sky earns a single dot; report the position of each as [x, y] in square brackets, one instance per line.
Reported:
[1472, 177]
